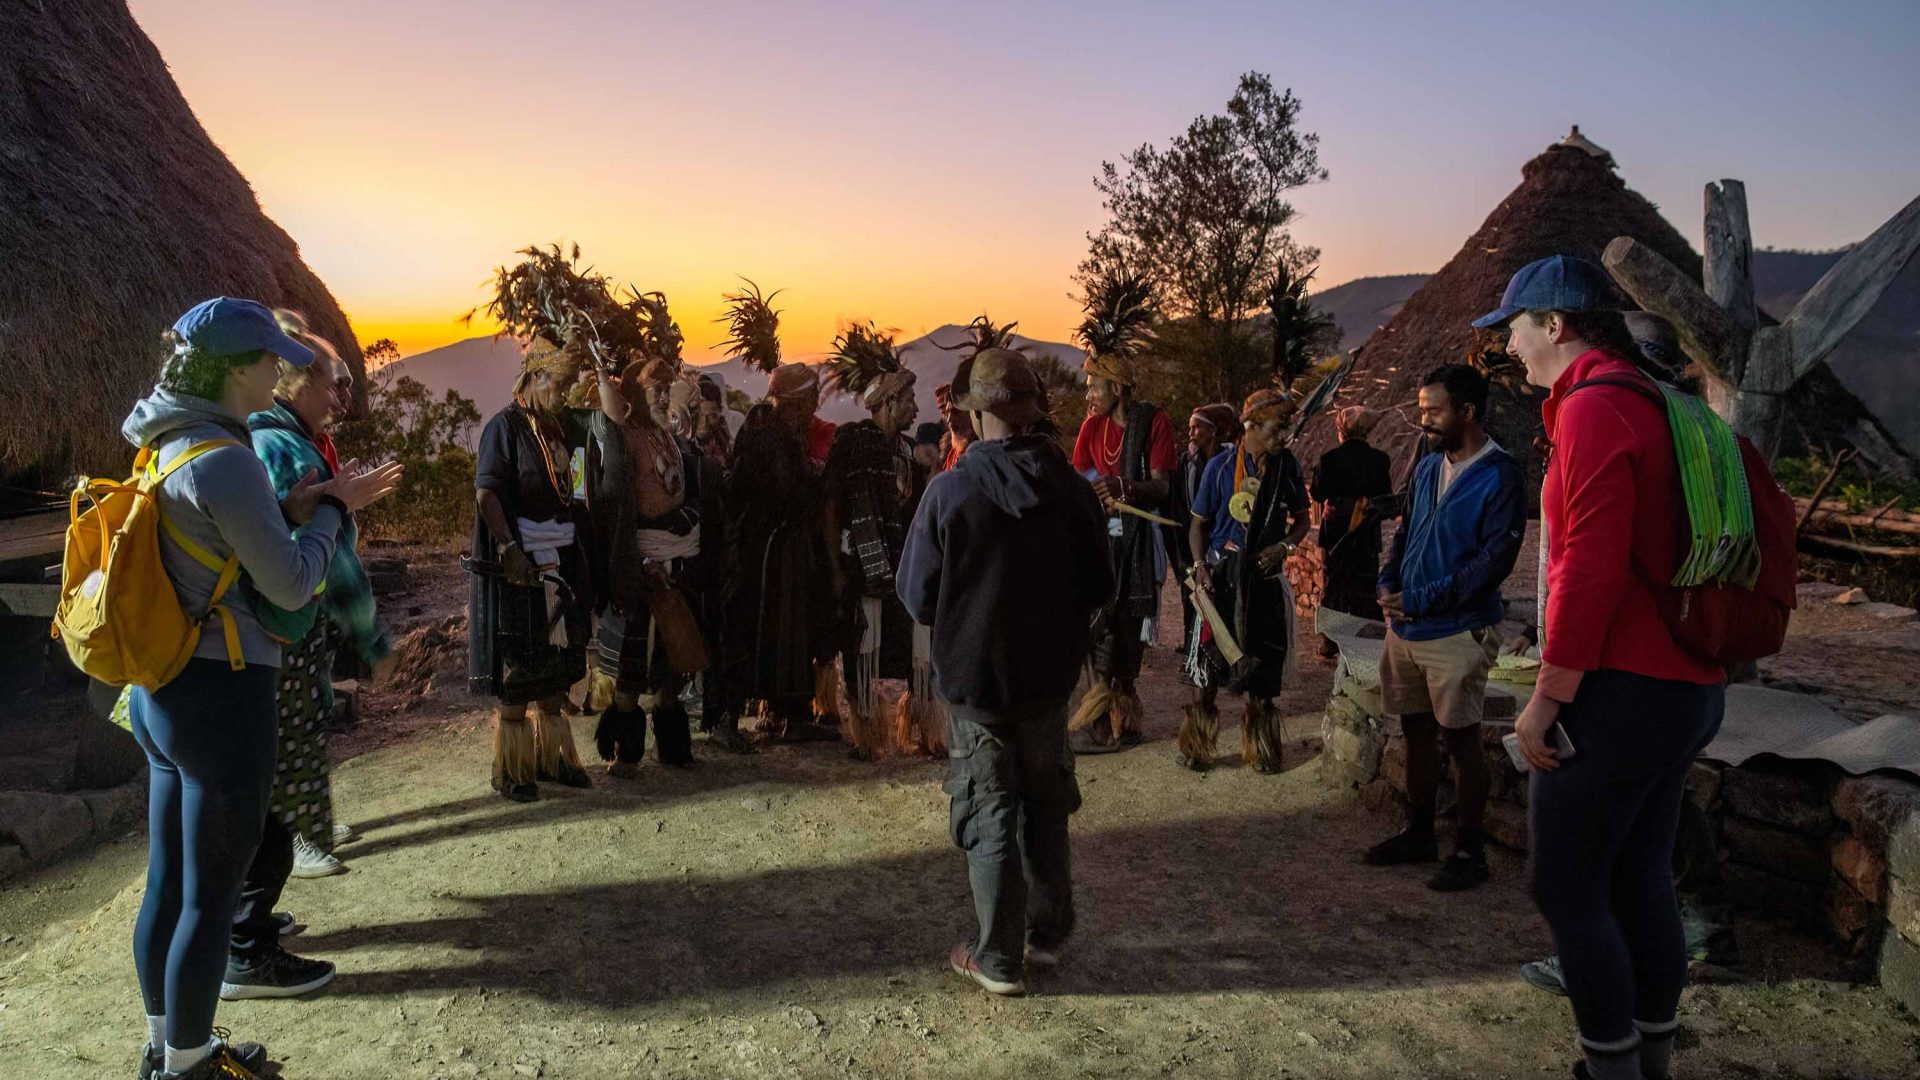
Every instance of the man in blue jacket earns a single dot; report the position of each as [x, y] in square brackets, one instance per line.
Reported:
[1007, 559]
[1440, 590]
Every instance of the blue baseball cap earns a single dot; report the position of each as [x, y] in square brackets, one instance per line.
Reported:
[1555, 283]
[226, 327]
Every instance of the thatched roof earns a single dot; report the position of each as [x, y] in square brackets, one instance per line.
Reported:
[1570, 202]
[117, 213]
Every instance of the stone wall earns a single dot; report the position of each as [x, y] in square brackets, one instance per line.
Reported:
[68, 780]
[1838, 855]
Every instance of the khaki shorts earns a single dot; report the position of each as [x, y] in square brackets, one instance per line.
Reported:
[1446, 677]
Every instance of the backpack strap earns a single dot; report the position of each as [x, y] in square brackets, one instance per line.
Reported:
[1642, 386]
[228, 569]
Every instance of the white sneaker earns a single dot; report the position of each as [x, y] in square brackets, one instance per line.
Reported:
[311, 862]
[343, 834]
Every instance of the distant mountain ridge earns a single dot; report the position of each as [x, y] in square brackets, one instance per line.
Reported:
[1879, 362]
[482, 369]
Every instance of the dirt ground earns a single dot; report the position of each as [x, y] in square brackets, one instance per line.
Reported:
[787, 914]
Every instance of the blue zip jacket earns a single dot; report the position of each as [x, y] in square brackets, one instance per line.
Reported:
[1449, 556]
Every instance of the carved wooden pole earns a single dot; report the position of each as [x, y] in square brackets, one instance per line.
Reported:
[1717, 326]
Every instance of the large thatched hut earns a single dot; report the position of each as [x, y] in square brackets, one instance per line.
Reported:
[117, 212]
[1570, 201]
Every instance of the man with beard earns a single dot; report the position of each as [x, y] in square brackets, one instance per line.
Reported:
[649, 530]
[1125, 448]
[1249, 515]
[1440, 590]
[777, 606]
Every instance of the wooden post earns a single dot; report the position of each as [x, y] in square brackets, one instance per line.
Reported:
[1728, 277]
[1718, 325]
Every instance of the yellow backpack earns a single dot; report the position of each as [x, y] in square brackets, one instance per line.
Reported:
[119, 617]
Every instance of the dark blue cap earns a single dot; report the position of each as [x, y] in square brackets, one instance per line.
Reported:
[227, 327]
[1555, 283]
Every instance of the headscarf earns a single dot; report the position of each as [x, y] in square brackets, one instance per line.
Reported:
[792, 381]
[542, 355]
[1222, 418]
[1111, 368]
[1264, 405]
[1357, 421]
[887, 385]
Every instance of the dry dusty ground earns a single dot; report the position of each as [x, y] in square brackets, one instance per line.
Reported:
[787, 914]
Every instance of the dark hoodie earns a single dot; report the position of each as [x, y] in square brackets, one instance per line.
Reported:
[1007, 560]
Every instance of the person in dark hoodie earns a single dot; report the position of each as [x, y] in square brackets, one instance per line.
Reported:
[210, 733]
[1440, 590]
[1007, 561]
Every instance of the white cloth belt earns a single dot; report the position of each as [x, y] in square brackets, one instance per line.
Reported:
[661, 545]
[543, 540]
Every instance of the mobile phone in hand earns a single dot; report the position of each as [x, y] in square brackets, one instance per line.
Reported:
[1556, 739]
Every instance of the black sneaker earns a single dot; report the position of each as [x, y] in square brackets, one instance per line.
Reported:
[286, 924]
[280, 975]
[1400, 849]
[1461, 872]
[250, 1056]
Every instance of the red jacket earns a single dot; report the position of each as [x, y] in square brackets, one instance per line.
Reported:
[1612, 499]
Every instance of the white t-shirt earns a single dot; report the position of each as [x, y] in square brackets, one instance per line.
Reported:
[1448, 470]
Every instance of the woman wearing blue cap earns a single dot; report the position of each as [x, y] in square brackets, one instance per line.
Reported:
[210, 734]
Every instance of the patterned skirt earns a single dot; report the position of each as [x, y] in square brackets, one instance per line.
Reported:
[302, 798]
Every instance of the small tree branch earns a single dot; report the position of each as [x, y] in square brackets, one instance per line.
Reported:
[1707, 334]
[1838, 301]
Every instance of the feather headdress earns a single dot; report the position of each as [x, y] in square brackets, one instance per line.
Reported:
[660, 336]
[865, 365]
[753, 327]
[549, 296]
[981, 333]
[1120, 312]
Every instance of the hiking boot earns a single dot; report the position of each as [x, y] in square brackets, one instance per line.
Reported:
[251, 1056]
[280, 975]
[1461, 872]
[285, 924]
[1400, 849]
[1545, 975]
[528, 792]
[343, 834]
[961, 959]
[568, 775]
[1085, 741]
[311, 862]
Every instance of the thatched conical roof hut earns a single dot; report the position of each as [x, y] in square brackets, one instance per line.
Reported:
[117, 213]
[1570, 202]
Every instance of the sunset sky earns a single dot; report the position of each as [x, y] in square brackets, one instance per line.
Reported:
[918, 163]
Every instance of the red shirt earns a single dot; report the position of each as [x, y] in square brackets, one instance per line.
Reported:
[1101, 441]
[1612, 498]
[820, 439]
[959, 446]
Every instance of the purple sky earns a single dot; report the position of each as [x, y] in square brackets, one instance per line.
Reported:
[915, 164]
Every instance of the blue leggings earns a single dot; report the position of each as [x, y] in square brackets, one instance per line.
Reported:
[1602, 828]
[210, 738]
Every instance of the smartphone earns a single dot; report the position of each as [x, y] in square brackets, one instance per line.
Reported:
[1556, 738]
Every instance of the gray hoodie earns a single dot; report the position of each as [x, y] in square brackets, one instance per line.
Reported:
[223, 501]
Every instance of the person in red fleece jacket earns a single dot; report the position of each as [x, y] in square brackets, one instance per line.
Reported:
[1636, 707]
